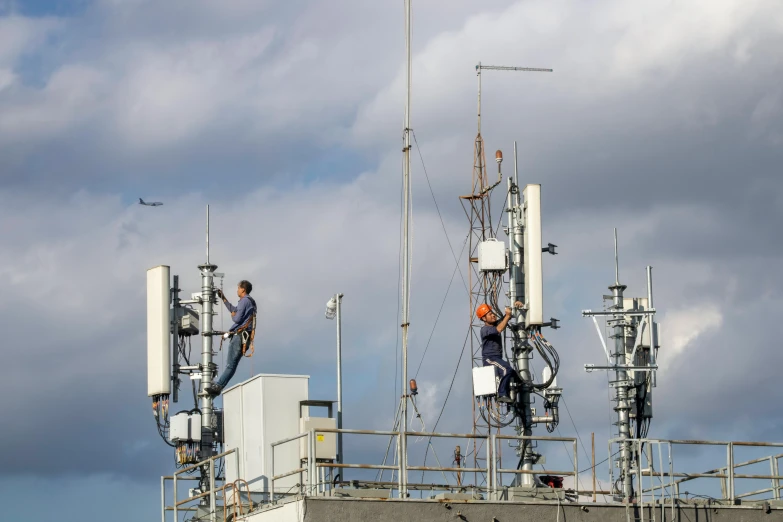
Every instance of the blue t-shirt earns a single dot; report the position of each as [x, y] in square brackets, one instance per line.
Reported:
[491, 342]
[244, 311]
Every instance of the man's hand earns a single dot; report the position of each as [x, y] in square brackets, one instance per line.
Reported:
[508, 312]
[518, 304]
[233, 314]
[220, 294]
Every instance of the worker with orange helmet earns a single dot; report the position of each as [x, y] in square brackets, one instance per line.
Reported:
[492, 346]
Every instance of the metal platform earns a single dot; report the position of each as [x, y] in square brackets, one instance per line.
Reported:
[737, 493]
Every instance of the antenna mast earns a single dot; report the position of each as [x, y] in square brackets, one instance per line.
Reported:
[406, 249]
[477, 206]
[208, 369]
[633, 361]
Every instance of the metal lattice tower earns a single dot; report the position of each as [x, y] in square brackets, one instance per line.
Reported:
[478, 209]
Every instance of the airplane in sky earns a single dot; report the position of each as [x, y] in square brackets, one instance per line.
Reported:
[151, 204]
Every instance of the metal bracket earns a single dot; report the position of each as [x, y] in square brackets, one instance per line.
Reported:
[621, 384]
[553, 323]
[550, 249]
[603, 343]
[590, 313]
[591, 367]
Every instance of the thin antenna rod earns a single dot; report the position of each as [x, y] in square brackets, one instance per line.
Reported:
[207, 234]
[616, 262]
[516, 173]
[403, 437]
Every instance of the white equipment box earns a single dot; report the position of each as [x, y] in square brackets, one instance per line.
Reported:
[484, 381]
[325, 443]
[185, 427]
[188, 321]
[256, 413]
[492, 255]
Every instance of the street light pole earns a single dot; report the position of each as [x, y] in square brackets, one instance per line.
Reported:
[333, 311]
[339, 382]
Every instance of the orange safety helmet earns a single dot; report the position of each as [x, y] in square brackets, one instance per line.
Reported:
[483, 310]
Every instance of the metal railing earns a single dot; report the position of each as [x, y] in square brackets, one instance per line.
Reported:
[492, 471]
[666, 481]
[211, 493]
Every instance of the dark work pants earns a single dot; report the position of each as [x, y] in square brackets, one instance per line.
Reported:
[503, 370]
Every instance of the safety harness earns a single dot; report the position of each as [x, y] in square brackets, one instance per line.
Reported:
[247, 331]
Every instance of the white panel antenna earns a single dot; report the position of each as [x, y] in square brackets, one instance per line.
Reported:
[158, 331]
[534, 279]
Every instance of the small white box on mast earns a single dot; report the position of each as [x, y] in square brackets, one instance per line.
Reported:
[484, 381]
[492, 256]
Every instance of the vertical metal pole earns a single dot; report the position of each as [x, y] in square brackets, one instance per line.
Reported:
[621, 376]
[162, 499]
[406, 262]
[660, 479]
[339, 382]
[490, 467]
[236, 462]
[776, 481]
[640, 476]
[212, 507]
[497, 478]
[730, 458]
[650, 466]
[310, 462]
[478, 73]
[520, 350]
[399, 465]
[674, 487]
[616, 261]
[651, 324]
[175, 339]
[176, 515]
[576, 467]
[592, 440]
[207, 371]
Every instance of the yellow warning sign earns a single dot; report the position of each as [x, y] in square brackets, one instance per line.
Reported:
[319, 437]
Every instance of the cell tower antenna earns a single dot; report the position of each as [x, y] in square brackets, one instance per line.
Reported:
[207, 234]
[633, 361]
[477, 207]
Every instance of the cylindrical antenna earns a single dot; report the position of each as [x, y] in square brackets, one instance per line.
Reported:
[516, 173]
[649, 287]
[616, 262]
[207, 234]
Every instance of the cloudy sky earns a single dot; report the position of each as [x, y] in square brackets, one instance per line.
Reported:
[663, 119]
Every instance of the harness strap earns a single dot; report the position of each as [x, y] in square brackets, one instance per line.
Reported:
[248, 347]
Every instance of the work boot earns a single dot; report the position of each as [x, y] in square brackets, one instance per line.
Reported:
[504, 398]
[213, 389]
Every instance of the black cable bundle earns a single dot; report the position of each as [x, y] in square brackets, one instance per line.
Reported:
[548, 354]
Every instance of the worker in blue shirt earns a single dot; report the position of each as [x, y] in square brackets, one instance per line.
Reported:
[492, 346]
[243, 315]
